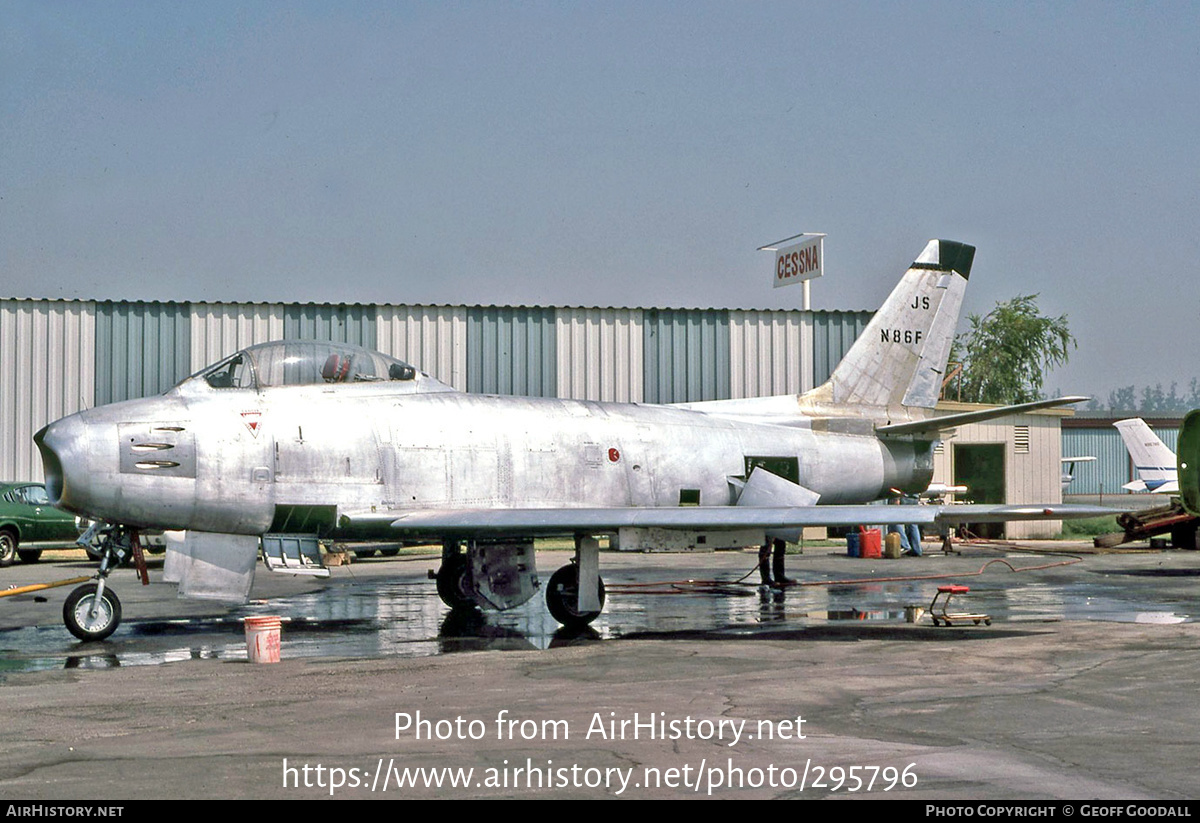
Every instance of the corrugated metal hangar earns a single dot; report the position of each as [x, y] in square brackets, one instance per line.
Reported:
[1092, 434]
[59, 356]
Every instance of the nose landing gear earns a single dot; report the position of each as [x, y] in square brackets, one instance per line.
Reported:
[93, 611]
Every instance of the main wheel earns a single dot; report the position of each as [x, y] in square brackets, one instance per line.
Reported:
[562, 597]
[452, 583]
[77, 613]
[29, 555]
[8, 548]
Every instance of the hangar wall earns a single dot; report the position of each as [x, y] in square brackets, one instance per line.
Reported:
[1091, 434]
[47, 371]
[1032, 469]
[59, 356]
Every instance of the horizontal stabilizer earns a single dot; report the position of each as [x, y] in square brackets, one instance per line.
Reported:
[950, 421]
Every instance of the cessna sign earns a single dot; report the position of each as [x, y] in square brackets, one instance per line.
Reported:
[799, 262]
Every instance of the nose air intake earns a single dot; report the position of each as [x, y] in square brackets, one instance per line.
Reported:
[51, 464]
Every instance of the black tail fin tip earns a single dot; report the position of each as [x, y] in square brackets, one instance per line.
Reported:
[947, 255]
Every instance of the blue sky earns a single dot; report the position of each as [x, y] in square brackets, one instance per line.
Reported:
[611, 154]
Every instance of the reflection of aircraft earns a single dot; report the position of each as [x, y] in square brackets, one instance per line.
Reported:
[1155, 463]
[1068, 472]
[290, 440]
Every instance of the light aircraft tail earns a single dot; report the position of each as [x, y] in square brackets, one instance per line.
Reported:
[900, 359]
[1154, 462]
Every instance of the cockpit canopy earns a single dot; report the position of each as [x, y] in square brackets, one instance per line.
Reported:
[311, 363]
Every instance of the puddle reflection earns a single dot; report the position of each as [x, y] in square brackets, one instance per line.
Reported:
[389, 617]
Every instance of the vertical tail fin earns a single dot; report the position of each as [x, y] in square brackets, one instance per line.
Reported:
[900, 358]
[1154, 462]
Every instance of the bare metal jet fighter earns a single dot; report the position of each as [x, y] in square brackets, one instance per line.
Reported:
[285, 442]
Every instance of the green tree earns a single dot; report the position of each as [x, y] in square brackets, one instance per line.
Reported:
[1154, 400]
[1006, 353]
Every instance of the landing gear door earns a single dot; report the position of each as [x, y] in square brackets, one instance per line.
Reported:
[293, 554]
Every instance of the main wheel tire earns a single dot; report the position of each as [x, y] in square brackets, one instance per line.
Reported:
[78, 606]
[29, 555]
[452, 581]
[562, 598]
[8, 548]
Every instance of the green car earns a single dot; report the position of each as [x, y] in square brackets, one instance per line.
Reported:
[26, 517]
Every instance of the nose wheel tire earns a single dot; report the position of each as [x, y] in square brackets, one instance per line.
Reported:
[562, 598]
[77, 612]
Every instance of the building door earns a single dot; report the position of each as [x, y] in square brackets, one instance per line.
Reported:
[980, 467]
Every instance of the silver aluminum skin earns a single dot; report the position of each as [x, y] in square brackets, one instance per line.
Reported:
[241, 448]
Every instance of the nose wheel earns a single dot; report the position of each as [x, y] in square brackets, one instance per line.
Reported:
[92, 612]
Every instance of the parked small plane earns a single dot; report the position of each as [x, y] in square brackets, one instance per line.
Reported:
[1068, 469]
[1154, 462]
[283, 442]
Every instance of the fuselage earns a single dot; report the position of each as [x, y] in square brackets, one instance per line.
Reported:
[246, 461]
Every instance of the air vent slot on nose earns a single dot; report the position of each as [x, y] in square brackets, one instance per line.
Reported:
[151, 447]
[163, 449]
[156, 464]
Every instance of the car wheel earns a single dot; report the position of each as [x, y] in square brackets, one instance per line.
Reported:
[29, 555]
[8, 547]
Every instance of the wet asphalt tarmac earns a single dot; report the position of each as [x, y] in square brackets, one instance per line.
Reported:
[384, 607]
[1083, 687]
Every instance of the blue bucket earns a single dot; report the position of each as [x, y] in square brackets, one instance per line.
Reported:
[852, 544]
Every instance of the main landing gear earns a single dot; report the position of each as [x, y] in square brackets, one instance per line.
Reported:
[93, 611]
[501, 576]
[454, 581]
[562, 598]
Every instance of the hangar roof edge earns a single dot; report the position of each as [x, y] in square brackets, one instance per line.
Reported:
[422, 305]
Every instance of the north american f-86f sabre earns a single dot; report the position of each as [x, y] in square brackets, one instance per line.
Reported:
[294, 440]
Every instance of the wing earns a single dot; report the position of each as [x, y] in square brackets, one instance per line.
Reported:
[428, 522]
